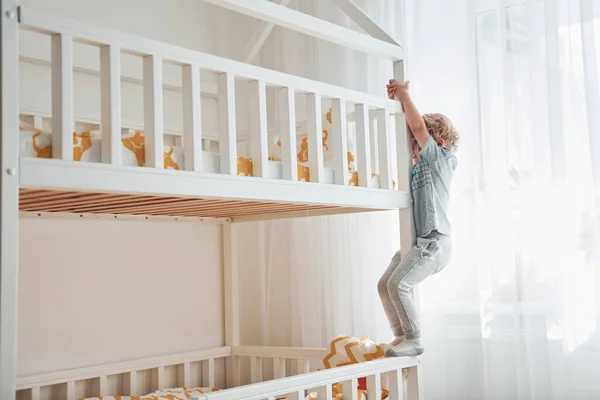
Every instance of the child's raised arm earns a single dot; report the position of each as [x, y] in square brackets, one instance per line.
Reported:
[413, 117]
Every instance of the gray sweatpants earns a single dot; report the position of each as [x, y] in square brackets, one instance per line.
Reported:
[430, 255]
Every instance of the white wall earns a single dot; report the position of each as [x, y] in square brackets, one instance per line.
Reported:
[100, 291]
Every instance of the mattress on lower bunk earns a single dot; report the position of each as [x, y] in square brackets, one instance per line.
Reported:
[87, 147]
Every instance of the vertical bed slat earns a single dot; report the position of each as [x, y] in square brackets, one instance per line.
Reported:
[363, 142]
[211, 372]
[374, 387]
[301, 394]
[62, 97]
[192, 119]
[385, 159]
[160, 377]
[255, 369]
[395, 385]
[340, 142]
[227, 123]
[133, 383]
[303, 367]
[258, 126]
[315, 137]
[35, 393]
[103, 385]
[404, 167]
[70, 390]
[153, 112]
[231, 290]
[350, 389]
[287, 121]
[374, 144]
[279, 368]
[37, 122]
[110, 109]
[187, 374]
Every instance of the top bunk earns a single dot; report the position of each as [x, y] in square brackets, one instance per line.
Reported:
[281, 146]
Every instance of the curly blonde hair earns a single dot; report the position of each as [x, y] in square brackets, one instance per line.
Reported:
[440, 127]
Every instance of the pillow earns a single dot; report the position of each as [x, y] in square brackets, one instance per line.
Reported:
[347, 350]
[168, 394]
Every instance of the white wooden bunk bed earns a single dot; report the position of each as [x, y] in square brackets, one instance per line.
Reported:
[57, 183]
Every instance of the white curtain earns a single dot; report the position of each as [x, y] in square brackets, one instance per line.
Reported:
[515, 316]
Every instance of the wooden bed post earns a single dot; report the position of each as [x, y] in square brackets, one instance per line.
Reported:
[9, 197]
[407, 227]
[230, 291]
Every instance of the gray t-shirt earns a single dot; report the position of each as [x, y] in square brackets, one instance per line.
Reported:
[430, 188]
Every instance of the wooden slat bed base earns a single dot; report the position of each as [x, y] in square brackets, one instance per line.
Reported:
[103, 203]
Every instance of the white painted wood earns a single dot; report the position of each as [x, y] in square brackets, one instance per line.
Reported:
[363, 141]
[57, 175]
[279, 368]
[227, 123]
[404, 170]
[71, 390]
[37, 122]
[287, 120]
[9, 197]
[187, 374]
[288, 353]
[160, 377]
[35, 393]
[103, 385]
[385, 154]
[415, 383]
[211, 372]
[81, 374]
[207, 145]
[32, 19]
[133, 383]
[374, 386]
[62, 96]
[231, 283]
[258, 127]
[153, 111]
[374, 144]
[340, 141]
[315, 135]
[255, 369]
[110, 108]
[312, 26]
[350, 389]
[231, 290]
[356, 14]
[303, 366]
[192, 126]
[395, 385]
[301, 395]
[257, 40]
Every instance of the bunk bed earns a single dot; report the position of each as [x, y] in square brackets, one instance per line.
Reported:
[50, 168]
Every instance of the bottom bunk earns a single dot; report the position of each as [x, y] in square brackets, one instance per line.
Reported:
[346, 370]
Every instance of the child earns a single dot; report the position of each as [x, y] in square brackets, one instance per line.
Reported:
[434, 143]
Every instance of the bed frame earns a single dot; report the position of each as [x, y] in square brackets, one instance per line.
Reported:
[60, 185]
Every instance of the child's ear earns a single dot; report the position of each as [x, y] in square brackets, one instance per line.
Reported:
[441, 142]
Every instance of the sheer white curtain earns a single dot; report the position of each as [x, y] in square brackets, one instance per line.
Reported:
[516, 314]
